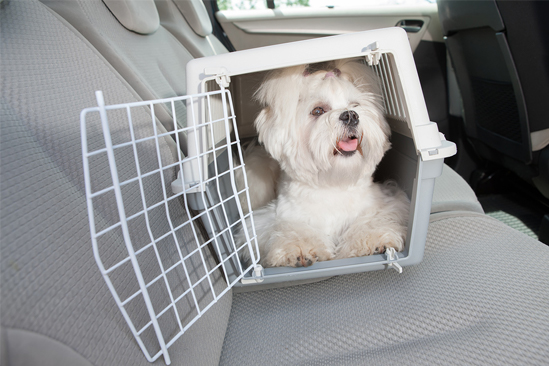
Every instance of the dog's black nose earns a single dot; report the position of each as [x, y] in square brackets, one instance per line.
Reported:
[349, 118]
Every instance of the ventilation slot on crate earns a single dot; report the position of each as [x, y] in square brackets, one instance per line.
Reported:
[395, 106]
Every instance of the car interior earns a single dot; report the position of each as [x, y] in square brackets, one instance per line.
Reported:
[479, 296]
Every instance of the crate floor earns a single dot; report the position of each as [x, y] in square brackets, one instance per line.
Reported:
[514, 211]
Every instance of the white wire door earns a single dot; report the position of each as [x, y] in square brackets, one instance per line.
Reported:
[162, 228]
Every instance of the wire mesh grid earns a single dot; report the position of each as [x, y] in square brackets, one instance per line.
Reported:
[164, 262]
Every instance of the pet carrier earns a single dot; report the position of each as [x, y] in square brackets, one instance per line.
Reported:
[414, 161]
[163, 224]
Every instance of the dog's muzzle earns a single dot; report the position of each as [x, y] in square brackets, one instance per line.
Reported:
[349, 143]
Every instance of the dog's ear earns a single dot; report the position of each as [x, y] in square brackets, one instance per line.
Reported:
[278, 123]
[266, 126]
[279, 95]
[281, 86]
[265, 94]
[265, 122]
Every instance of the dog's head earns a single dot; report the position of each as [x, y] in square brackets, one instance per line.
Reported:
[323, 122]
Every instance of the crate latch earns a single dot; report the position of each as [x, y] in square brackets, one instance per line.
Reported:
[392, 258]
[221, 77]
[257, 275]
[374, 55]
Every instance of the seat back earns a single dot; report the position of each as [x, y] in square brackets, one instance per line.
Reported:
[493, 102]
[495, 48]
[146, 54]
[54, 299]
[189, 22]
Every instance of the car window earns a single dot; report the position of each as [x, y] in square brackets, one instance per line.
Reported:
[264, 4]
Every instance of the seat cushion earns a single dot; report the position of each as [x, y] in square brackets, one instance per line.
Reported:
[453, 193]
[473, 300]
[52, 289]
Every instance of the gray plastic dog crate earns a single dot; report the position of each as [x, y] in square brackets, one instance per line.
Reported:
[414, 161]
[175, 216]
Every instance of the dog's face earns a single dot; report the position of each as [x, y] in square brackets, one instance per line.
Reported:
[323, 123]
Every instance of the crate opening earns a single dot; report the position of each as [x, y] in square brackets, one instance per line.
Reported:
[401, 164]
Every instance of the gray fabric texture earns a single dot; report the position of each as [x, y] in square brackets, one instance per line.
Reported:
[452, 193]
[139, 16]
[196, 15]
[199, 46]
[4, 357]
[153, 64]
[480, 297]
[51, 285]
[29, 348]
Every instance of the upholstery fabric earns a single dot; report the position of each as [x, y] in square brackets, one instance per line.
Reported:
[51, 285]
[525, 29]
[153, 64]
[45, 351]
[199, 46]
[476, 299]
[196, 15]
[139, 16]
[452, 193]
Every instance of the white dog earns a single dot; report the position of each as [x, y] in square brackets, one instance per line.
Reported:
[324, 125]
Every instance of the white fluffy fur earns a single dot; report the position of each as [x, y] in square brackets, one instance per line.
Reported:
[327, 206]
[262, 173]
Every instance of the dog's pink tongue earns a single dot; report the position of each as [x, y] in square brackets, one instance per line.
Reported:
[348, 144]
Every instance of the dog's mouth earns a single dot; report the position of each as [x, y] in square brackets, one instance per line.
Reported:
[348, 145]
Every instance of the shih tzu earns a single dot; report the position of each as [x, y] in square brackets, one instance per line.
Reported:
[324, 125]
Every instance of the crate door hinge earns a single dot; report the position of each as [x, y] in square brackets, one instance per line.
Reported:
[221, 75]
[392, 257]
[373, 54]
[257, 275]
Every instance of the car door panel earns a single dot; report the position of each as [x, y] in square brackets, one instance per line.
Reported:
[257, 28]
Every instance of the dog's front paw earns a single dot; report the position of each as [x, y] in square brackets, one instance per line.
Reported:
[373, 242]
[389, 240]
[300, 254]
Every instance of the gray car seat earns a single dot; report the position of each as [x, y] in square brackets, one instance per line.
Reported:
[55, 306]
[498, 50]
[134, 42]
[153, 63]
[460, 306]
[189, 22]
[479, 296]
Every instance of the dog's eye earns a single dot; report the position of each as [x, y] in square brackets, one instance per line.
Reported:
[318, 111]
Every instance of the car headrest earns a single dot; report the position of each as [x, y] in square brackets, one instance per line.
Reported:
[461, 15]
[196, 15]
[139, 16]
